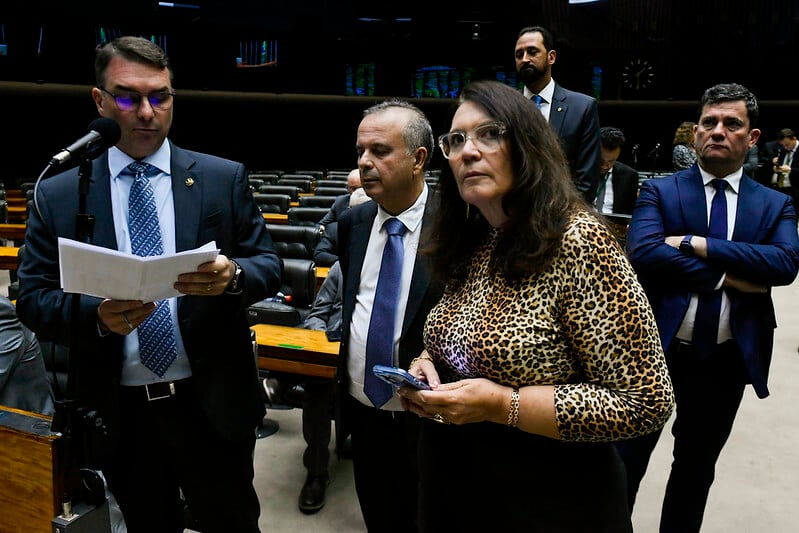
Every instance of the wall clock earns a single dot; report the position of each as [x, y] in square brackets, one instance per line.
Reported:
[638, 74]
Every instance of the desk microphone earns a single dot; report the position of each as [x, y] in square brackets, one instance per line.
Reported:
[103, 133]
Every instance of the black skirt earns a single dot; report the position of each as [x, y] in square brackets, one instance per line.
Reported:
[489, 477]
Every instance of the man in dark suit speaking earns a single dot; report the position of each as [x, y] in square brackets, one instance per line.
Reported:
[174, 381]
[574, 116]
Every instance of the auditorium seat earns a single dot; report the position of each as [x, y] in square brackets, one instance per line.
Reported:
[306, 216]
[294, 242]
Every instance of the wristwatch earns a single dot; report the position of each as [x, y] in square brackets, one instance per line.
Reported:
[685, 246]
[233, 286]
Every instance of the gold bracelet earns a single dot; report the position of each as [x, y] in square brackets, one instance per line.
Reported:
[420, 358]
[513, 414]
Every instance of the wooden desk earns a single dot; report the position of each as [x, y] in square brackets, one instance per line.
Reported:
[9, 257]
[29, 467]
[321, 274]
[15, 232]
[296, 350]
[276, 218]
[17, 213]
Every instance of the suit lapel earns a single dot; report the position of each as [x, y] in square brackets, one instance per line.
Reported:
[557, 109]
[746, 211]
[691, 192]
[98, 203]
[187, 193]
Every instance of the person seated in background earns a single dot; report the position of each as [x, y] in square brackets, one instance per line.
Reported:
[618, 183]
[23, 376]
[326, 253]
[683, 154]
[317, 396]
[342, 202]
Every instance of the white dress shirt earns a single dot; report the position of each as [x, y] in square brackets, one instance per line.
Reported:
[364, 299]
[686, 330]
[133, 371]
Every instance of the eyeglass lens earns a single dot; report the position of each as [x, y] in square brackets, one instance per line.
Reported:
[485, 137]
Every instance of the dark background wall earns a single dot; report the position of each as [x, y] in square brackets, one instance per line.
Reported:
[295, 114]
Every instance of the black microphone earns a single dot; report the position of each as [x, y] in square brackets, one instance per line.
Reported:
[655, 150]
[103, 133]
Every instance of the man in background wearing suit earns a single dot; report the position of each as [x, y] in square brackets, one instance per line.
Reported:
[188, 425]
[394, 145]
[786, 165]
[574, 116]
[708, 244]
[618, 184]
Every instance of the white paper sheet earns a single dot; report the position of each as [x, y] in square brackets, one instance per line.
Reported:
[105, 273]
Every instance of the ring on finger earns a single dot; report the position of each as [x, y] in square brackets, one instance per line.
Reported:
[127, 320]
[438, 417]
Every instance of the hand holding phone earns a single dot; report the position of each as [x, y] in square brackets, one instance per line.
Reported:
[398, 377]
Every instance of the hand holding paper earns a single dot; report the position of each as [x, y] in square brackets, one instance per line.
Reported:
[105, 273]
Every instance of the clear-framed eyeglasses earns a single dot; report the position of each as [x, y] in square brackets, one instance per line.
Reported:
[486, 138]
[127, 101]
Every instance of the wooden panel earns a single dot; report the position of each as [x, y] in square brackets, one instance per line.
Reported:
[276, 218]
[30, 490]
[15, 232]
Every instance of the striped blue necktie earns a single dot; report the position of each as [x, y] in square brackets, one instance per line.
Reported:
[157, 347]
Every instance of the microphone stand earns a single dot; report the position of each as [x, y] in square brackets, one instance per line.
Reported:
[71, 421]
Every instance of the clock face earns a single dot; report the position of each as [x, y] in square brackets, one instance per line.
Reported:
[638, 74]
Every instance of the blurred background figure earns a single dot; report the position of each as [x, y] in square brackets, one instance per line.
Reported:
[683, 155]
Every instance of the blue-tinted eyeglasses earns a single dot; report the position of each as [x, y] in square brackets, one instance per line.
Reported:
[129, 101]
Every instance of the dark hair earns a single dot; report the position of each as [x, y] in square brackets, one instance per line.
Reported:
[732, 92]
[417, 132]
[546, 36]
[785, 133]
[611, 138]
[129, 48]
[538, 204]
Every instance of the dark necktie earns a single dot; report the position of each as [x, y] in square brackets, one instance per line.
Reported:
[600, 193]
[380, 339]
[157, 347]
[538, 100]
[706, 324]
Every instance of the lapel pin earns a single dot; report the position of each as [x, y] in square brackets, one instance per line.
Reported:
[189, 181]
[560, 109]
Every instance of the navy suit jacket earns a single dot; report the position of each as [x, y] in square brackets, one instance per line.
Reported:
[354, 228]
[764, 249]
[575, 118]
[213, 202]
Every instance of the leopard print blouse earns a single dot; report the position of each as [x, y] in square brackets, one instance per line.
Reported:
[584, 325]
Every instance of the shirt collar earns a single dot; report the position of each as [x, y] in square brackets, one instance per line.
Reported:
[547, 93]
[119, 160]
[411, 217]
[733, 179]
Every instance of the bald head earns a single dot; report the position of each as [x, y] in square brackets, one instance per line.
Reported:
[353, 180]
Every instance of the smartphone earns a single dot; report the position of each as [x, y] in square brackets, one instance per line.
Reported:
[398, 377]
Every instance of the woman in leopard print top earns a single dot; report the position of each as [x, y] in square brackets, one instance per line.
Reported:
[543, 349]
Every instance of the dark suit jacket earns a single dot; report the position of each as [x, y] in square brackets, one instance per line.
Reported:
[326, 251]
[764, 249]
[341, 204]
[216, 204]
[23, 376]
[354, 229]
[575, 118]
[625, 188]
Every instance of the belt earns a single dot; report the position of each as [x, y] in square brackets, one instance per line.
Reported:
[158, 391]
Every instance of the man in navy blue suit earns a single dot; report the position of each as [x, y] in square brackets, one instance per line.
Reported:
[682, 268]
[574, 116]
[188, 425]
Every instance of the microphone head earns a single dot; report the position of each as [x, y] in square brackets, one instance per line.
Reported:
[108, 129]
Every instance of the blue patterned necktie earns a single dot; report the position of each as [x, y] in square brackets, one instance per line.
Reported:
[539, 101]
[157, 347]
[380, 339]
[708, 309]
